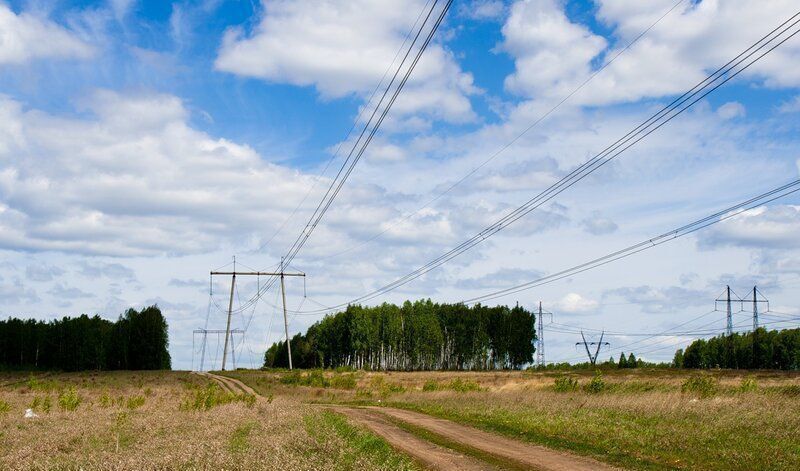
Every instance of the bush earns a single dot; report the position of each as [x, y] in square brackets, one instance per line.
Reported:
[69, 400]
[41, 403]
[106, 401]
[212, 396]
[345, 381]
[460, 385]
[703, 386]
[565, 384]
[430, 386]
[135, 402]
[748, 385]
[596, 385]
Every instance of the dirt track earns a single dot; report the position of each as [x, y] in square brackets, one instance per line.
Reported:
[434, 456]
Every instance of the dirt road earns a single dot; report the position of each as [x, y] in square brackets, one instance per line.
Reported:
[518, 454]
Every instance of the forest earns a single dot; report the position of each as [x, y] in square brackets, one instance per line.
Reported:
[760, 349]
[415, 336]
[138, 340]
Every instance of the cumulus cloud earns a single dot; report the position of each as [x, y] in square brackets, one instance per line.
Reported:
[502, 278]
[42, 272]
[63, 292]
[574, 303]
[344, 48]
[132, 178]
[598, 225]
[774, 227]
[553, 54]
[654, 299]
[108, 270]
[25, 37]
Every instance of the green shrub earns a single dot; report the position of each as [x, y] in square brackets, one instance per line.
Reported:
[430, 386]
[460, 385]
[106, 401]
[565, 384]
[748, 385]
[134, 402]
[316, 379]
[345, 381]
[4, 407]
[212, 396]
[596, 384]
[703, 386]
[69, 400]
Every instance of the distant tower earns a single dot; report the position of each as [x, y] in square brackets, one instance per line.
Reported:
[540, 361]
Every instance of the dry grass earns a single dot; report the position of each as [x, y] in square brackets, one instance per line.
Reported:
[131, 420]
[643, 419]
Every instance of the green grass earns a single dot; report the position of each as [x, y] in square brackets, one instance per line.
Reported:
[211, 396]
[362, 450]
[239, 440]
[445, 442]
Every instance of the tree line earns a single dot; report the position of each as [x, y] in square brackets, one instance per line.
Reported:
[138, 340]
[415, 336]
[760, 349]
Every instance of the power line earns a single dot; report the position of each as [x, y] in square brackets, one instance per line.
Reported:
[509, 143]
[717, 217]
[367, 133]
[721, 76]
[350, 131]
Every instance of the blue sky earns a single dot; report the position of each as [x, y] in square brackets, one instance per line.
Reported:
[147, 142]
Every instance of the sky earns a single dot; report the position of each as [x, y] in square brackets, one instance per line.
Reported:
[145, 143]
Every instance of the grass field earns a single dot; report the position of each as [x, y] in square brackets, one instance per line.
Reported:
[171, 420]
[639, 419]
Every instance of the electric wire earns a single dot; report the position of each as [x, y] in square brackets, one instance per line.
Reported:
[721, 76]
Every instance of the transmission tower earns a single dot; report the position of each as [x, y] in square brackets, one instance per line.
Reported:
[726, 298]
[282, 274]
[592, 357]
[757, 298]
[205, 332]
[540, 362]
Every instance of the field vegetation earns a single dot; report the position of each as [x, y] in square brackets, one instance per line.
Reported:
[634, 418]
[171, 420]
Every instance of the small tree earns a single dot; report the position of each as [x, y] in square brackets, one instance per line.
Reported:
[631, 361]
[623, 363]
[677, 360]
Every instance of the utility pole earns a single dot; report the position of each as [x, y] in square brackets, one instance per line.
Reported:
[592, 358]
[281, 274]
[230, 312]
[540, 362]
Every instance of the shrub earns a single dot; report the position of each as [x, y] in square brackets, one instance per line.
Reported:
[135, 402]
[460, 385]
[596, 385]
[69, 400]
[565, 384]
[430, 386]
[212, 396]
[106, 401]
[4, 407]
[703, 386]
[345, 381]
[748, 385]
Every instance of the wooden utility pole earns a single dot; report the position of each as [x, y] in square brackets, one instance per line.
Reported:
[233, 275]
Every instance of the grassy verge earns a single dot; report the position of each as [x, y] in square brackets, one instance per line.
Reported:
[363, 449]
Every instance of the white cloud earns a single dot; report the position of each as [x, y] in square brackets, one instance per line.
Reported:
[483, 9]
[551, 53]
[26, 37]
[731, 110]
[775, 227]
[598, 225]
[790, 106]
[345, 48]
[554, 55]
[574, 303]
